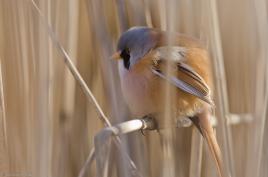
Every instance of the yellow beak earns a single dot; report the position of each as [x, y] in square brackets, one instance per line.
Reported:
[116, 55]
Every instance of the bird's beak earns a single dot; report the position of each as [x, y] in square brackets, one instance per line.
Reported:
[116, 55]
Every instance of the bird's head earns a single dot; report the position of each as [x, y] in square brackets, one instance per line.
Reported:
[134, 44]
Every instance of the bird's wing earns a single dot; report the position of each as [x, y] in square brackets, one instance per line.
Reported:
[185, 77]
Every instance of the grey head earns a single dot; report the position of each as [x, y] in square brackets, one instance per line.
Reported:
[135, 43]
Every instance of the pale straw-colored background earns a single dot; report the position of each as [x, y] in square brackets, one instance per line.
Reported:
[47, 125]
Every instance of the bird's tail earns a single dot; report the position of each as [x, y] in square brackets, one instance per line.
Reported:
[201, 121]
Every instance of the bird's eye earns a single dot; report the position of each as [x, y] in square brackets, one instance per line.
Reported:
[125, 54]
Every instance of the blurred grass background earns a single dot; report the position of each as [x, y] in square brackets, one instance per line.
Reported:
[47, 126]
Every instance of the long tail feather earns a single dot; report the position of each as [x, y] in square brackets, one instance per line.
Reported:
[201, 121]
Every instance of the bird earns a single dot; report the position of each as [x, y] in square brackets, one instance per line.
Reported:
[151, 60]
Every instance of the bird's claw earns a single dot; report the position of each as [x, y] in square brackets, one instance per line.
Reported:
[149, 123]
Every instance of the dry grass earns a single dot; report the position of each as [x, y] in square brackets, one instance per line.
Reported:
[47, 123]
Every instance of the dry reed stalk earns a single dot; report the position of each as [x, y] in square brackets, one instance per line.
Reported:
[20, 39]
[220, 84]
[148, 15]
[196, 154]
[80, 80]
[4, 160]
[88, 162]
[104, 42]
[261, 100]
[72, 68]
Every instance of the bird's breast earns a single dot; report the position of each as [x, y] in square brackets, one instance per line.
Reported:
[146, 93]
[136, 88]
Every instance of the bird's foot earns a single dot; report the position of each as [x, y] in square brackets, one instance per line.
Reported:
[149, 123]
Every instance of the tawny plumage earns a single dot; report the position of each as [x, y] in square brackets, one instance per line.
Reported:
[150, 61]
